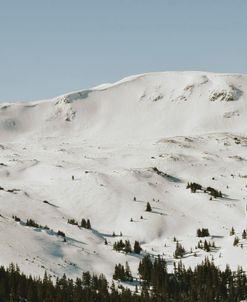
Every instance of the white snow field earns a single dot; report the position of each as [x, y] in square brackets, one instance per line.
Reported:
[192, 126]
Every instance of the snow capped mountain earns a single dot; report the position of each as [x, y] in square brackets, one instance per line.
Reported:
[139, 140]
[158, 104]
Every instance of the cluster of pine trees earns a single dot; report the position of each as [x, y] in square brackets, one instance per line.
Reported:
[206, 245]
[193, 186]
[213, 192]
[179, 251]
[85, 223]
[16, 287]
[122, 246]
[202, 233]
[72, 221]
[125, 246]
[236, 240]
[203, 284]
[122, 273]
[31, 223]
[16, 218]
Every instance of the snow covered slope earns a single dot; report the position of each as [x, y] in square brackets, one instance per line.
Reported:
[116, 139]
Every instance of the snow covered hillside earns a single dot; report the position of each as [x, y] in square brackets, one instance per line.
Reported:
[136, 141]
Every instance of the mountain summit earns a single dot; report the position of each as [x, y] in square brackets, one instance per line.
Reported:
[149, 158]
[147, 106]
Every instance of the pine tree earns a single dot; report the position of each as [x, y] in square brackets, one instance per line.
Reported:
[86, 279]
[202, 232]
[16, 218]
[119, 246]
[83, 223]
[145, 268]
[60, 233]
[72, 221]
[199, 233]
[127, 247]
[128, 274]
[206, 246]
[137, 247]
[148, 207]
[244, 235]
[32, 223]
[232, 232]
[88, 224]
[236, 241]
[193, 187]
[179, 251]
[199, 245]
[119, 273]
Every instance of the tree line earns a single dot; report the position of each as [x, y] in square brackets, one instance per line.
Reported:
[205, 283]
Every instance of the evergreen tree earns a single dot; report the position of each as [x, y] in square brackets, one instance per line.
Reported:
[206, 246]
[179, 251]
[232, 232]
[202, 232]
[127, 247]
[16, 218]
[88, 224]
[193, 187]
[86, 279]
[119, 273]
[128, 273]
[137, 247]
[60, 233]
[236, 241]
[32, 223]
[72, 221]
[119, 246]
[148, 207]
[83, 223]
[145, 268]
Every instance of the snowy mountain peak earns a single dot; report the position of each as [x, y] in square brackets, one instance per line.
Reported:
[152, 104]
[175, 140]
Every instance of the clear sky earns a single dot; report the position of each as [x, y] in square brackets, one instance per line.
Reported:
[51, 47]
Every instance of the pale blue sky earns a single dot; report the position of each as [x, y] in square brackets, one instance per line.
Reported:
[51, 47]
